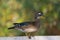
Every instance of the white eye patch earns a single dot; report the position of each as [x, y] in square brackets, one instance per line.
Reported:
[39, 13]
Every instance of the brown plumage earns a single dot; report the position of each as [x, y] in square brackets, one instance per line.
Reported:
[29, 27]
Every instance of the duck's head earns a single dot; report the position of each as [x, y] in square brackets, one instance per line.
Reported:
[38, 15]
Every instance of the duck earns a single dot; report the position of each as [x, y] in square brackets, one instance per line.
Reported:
[29, 26]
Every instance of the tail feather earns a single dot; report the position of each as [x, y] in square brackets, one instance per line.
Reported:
[11, 28]
[15, 23]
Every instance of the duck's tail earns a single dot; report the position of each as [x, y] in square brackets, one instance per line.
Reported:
[11, 28]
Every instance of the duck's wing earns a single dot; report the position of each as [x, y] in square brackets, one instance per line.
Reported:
[21, 25]
[24, 23]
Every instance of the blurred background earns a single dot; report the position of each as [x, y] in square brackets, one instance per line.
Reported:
[12, 11]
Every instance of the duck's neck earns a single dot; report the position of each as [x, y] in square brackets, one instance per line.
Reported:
[37, 23]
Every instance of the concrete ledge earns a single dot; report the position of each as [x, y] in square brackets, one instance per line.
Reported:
[33, 38]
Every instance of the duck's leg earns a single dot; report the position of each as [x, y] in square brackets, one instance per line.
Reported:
[28, 34]
[33, 34]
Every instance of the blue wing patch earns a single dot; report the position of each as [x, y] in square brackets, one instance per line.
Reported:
[21, 24]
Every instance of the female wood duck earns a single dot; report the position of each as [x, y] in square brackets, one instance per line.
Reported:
[29, 27]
